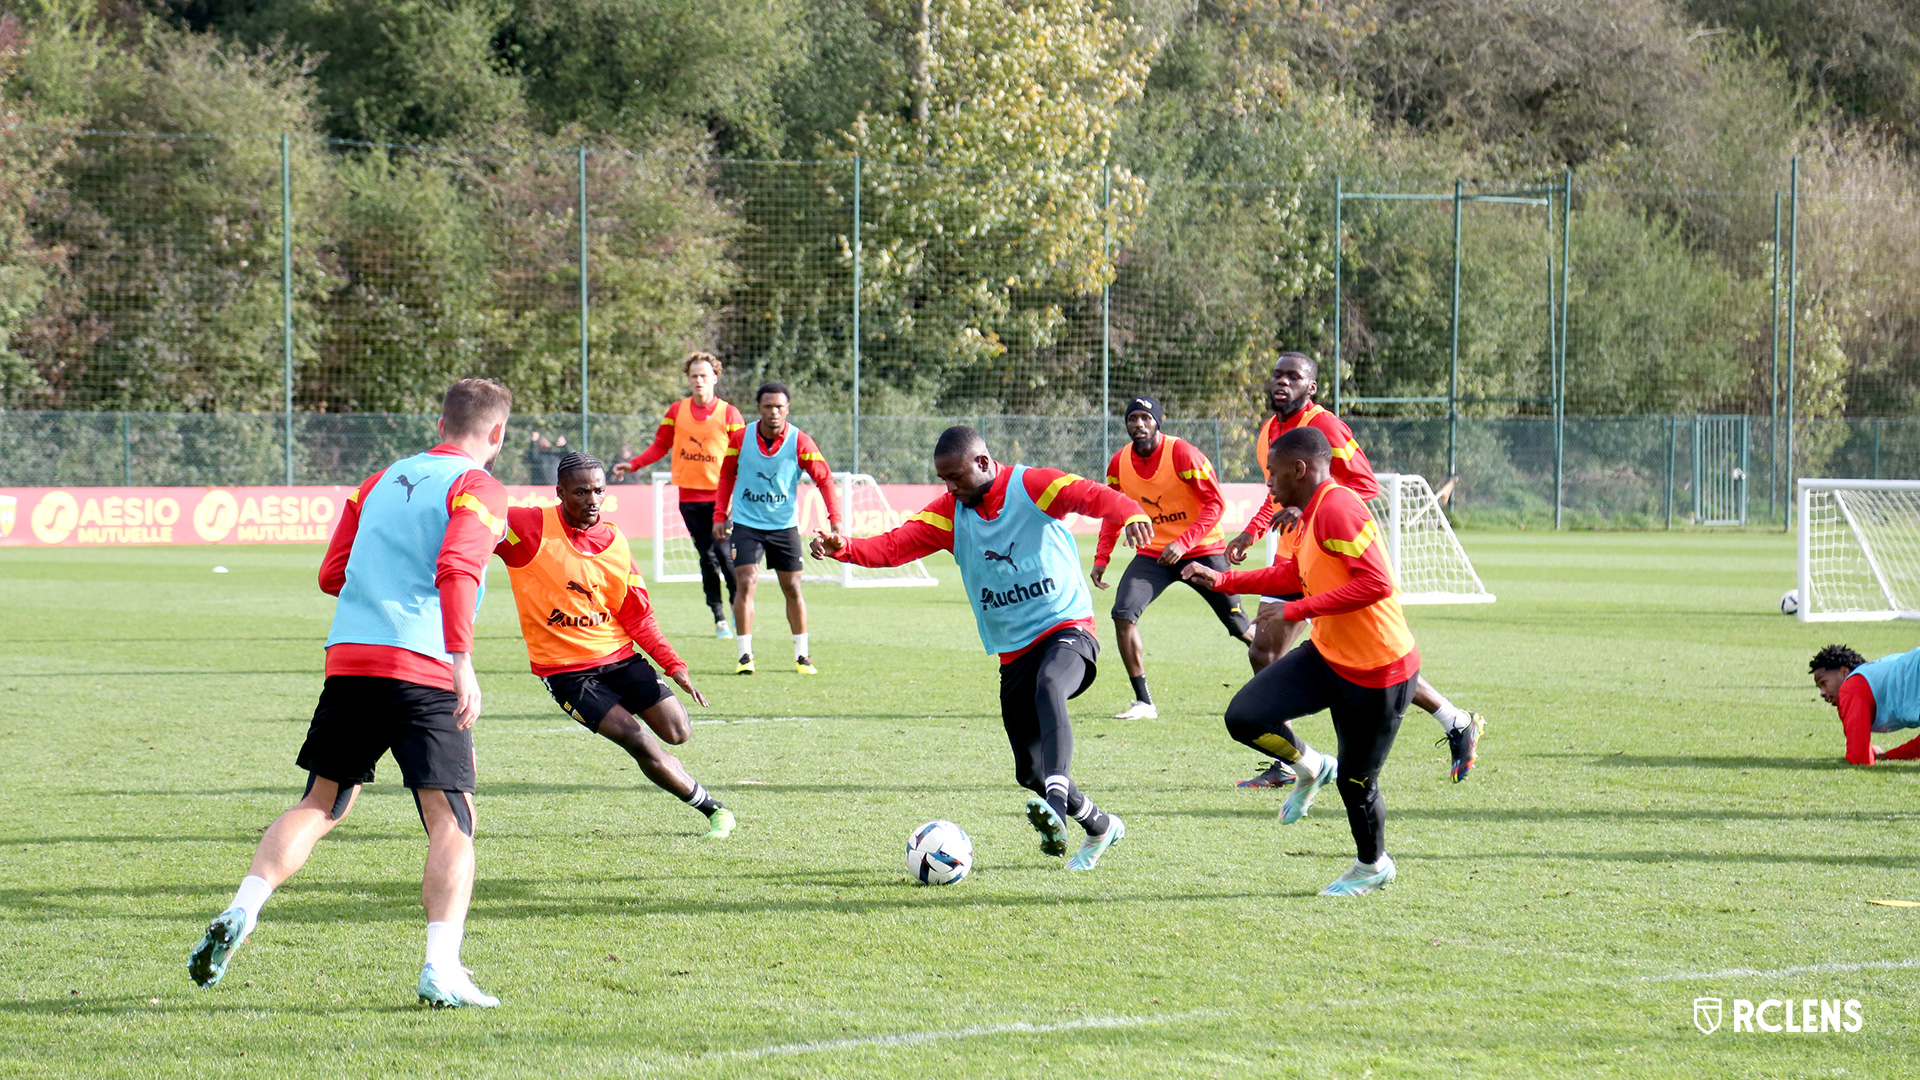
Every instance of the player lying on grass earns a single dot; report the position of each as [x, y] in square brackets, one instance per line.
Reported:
[1021, 571]
[758, 509]
[1873, 699]
[408, 562]
[1290, 389]
[1173, 483]
[582, 610]
[1360, 664]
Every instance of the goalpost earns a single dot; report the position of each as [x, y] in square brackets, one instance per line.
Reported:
[1428, 562]
[864, 507]
[1859, 550]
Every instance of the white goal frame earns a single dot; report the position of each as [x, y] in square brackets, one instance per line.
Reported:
[674, 559]
[1853, 576]
[1405, 510]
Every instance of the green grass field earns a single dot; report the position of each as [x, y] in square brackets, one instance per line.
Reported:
[1660, 807]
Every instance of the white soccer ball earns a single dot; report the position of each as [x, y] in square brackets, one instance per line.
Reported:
[939, 853]
[1790, 602]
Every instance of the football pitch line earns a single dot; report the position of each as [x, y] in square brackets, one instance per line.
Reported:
[1839, 967]
[914, 1038]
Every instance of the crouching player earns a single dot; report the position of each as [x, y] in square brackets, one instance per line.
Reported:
[1873, 699]
[582, 610]
[1021, 570]
[1360, 663]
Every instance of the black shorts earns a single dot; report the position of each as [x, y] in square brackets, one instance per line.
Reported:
[1146, 579]
[361, 717]
[1018, 678]
[781, 545]
[588, 696]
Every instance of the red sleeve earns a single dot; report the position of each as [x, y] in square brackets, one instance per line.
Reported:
[1907, 751]
[1262, 519]
[522, 542]
[1058, 494]
[921, 535]
[1197, 471]
[636, 618]
[662, 443]
[812, 460]
[729, 472]
[333, 567]
[1109, 532]
[1343, 530]
[477, 520]
[1856, 719]
[1351, 469]
[1280, 579]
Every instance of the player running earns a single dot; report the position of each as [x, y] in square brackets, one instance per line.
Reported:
[408, 562]
[1290, 390]
[1173, 482]
[760, 492]
[1360, 665]
[1872, 698]
[582, 610]
[1021, 570]
[695, 433]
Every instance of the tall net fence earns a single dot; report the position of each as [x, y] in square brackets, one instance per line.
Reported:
[196, 309]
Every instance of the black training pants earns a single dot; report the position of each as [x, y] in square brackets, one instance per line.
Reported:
[715, 565]
[1365, 720]
[1034, 691]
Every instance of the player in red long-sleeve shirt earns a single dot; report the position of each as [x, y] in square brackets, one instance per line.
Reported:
[408, 562]
[1173, 482]
[1873, 698]
[582, 609]
[1021, 571]
[758, 509]
[1290, 389]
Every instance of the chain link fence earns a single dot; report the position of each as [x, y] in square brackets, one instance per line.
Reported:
[1583, 350]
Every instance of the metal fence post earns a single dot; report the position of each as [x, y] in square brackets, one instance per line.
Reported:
[286, 293]
[126, 449]
[1560, 376]
[1453, 346]
[1338, 244]
[1106, 311]
[1671, 424]
[1793, 269]
[584, 433]
[856, 313]
[1773, 380]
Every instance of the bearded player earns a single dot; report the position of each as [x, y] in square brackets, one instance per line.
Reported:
[1021, 570]
[1360, 664]
[1290, 390]
[758, 509]
[1173, 482]
[694, 434]
[582, 610]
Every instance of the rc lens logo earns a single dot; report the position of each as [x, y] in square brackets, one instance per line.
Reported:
[1806, 1016]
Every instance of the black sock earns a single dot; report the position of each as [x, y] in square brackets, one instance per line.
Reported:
[700, 800]
[1140, 688]
[1080, 808]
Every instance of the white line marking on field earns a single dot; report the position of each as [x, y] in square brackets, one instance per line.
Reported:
[914, 1038]
[766, 720]
[1785, 972]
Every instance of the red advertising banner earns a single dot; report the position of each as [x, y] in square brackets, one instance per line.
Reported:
[108, 517]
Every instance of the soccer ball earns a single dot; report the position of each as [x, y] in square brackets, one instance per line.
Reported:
[1790, 602]
[939, 853]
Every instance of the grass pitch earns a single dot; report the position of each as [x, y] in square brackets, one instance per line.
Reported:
[1660, 814]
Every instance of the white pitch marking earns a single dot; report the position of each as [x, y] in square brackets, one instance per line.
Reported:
[766, 720]
[1785, 972]
[914, 1038]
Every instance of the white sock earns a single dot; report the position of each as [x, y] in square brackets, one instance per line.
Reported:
[800, 646]
[251, 896]
[746, 645]
[443, 945]
[1452, 717]
[1310, 763]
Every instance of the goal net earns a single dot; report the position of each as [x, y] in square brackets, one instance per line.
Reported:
[1859, 550]
[864, 507]
[1428, 562]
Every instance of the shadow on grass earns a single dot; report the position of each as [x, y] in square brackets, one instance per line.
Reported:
[135, 1004]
